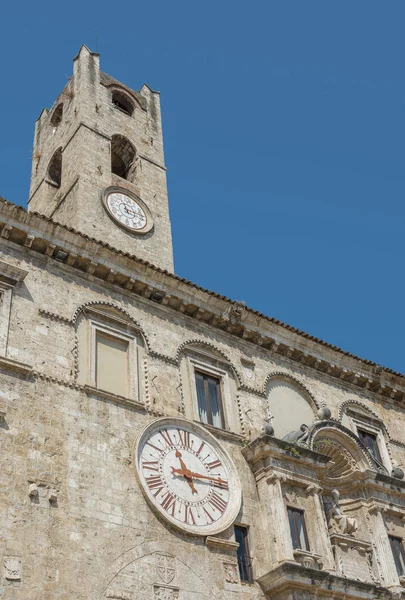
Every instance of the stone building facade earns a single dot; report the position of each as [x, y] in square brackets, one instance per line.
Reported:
[160, 441]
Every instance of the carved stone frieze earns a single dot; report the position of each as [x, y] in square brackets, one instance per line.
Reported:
[12, 568]
[165, 593]
[231, 573]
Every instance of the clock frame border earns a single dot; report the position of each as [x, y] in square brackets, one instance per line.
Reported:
[235, 500]
[114, 189]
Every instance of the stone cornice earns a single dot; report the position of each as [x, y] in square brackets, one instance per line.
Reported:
[43, 236]
[16, 366]
[291, 575]
[221, 544]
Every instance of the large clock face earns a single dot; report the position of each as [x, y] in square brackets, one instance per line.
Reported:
[128, 211]
[187, 476]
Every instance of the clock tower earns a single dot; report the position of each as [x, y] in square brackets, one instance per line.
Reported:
[98, 163]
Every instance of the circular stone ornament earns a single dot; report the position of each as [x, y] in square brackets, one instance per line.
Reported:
[187, 477]
[126, 209]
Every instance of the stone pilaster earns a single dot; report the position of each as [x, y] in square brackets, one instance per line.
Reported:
[383, 554]
[271, 497]
[321, 542]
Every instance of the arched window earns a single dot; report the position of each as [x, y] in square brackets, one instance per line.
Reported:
[57, 115]
[55, 168]
[290, 406]
[122, 102]
[122, 157]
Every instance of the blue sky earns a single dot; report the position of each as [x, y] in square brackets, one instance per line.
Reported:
[284, 137]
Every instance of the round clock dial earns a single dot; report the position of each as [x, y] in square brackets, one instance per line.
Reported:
[128, 210]
[187, 476]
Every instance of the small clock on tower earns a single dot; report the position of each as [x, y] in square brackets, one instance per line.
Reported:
[127, 210]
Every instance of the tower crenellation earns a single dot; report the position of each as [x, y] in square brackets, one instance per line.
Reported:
[102, 138]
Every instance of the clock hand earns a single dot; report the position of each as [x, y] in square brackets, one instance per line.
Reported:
[188, 473]
[216, 479]
[179, 455]
[185, 472]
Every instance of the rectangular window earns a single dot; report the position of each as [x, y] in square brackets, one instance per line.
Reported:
[209, 399]
[298, 530]
[111, 364]
[370, 442]
[398, 554]
[244, 560]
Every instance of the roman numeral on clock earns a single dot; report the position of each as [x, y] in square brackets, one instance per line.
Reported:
[153, 446]
[184, 438]
[166, 436]
[188, 516]
[152, 465]
[154, 482]
[214, 464]
[211, 520]
[200, 448]
[217, 502]
[169, 503]
[221, 484]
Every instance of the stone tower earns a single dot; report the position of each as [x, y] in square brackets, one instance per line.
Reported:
[102, 138]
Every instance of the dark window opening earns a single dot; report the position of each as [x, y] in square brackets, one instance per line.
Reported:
[298, 530]
[209, 399]
[57, 115]
[398, 554]
[122, 157]
[244, 560]
[121, 101]
[55, 168]
[370, 442]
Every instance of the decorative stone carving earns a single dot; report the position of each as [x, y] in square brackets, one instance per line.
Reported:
[231, 573]
[324, 413]
[165, 567]
[237, 310]
[397, 472]
[291, 497]
[298, 437]
[308, 559]
[342, 462]
[165, 593]
[12, 568]
[33, 491]
[338, 521]
[269, 429]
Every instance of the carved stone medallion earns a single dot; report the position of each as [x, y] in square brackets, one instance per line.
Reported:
[165, 593]
[165, 567]
[12, 568]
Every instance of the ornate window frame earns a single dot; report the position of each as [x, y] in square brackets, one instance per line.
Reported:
[370, 423]
[196, 360]
[96, 320]
[10, 276]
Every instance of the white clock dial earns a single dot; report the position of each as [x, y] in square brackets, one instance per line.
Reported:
[187, 476]
[128, 210]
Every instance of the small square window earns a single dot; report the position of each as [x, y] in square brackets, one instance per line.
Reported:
[371, 443]
[298, 530]
[209, 399]
[398, 554]
[244, 560]
[111, 364]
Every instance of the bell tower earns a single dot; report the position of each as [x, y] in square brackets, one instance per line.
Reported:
[98, 163]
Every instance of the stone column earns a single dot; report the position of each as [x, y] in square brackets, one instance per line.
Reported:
[271, 497]
[382, 549]
[321, 541]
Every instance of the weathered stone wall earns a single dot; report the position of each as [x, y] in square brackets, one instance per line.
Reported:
[89, 121]
[79, 446]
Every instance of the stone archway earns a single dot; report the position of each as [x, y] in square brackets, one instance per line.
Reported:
[151, 572]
